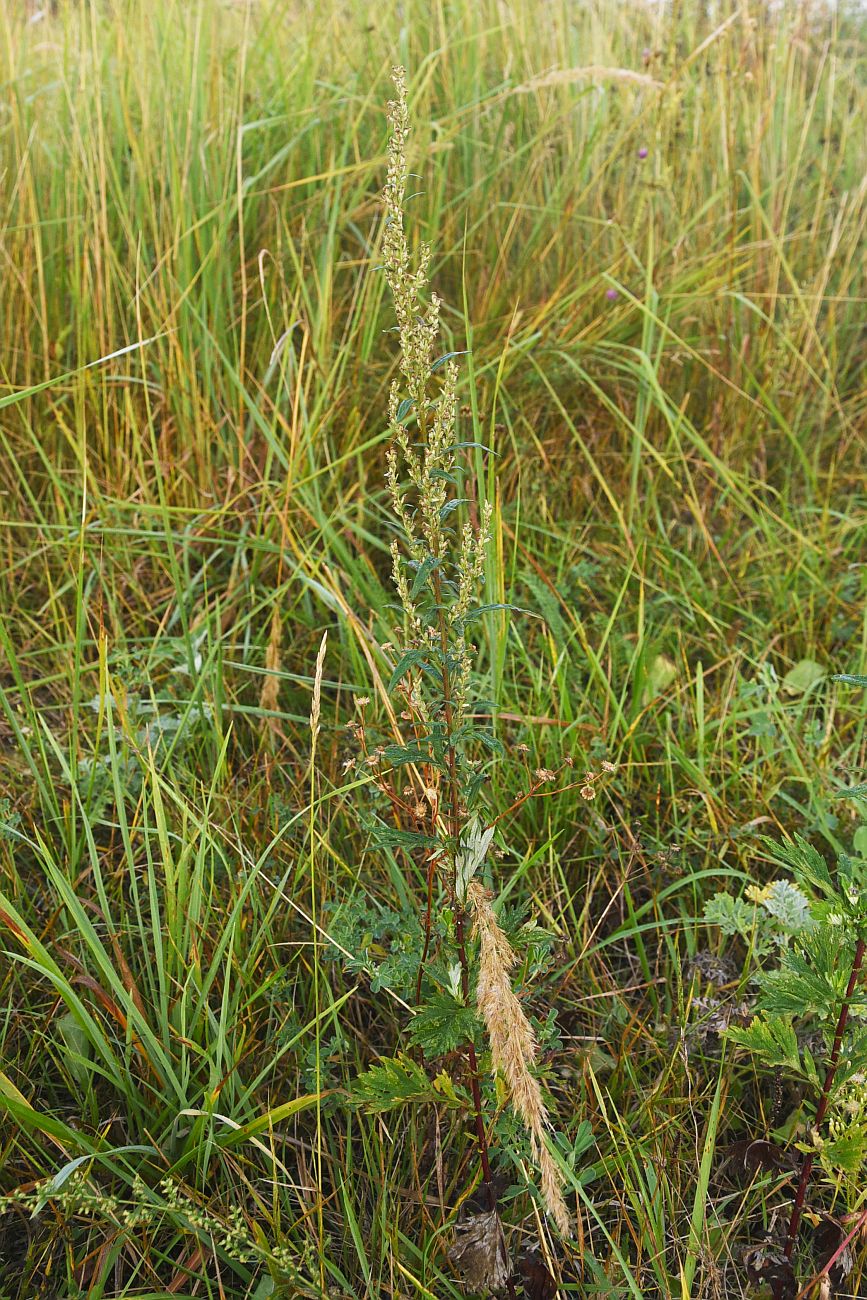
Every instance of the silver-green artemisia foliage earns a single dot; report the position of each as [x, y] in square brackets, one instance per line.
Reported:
[813, 925]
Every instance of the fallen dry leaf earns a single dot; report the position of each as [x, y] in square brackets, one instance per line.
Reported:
[479, 1253]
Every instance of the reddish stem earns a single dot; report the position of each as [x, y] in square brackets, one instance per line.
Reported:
[428, 925]
[824, 1100]
[454, 821]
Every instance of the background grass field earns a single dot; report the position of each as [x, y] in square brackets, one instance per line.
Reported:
[666, 354]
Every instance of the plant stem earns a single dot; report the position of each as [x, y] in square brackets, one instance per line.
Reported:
[454, 823]
[807, 1162]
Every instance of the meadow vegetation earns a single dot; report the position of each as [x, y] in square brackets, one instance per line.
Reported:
[241, 842]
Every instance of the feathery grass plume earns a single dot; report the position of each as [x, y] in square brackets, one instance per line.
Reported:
[513, 1046]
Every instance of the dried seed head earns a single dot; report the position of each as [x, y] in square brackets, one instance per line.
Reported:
[316, 706]
[514, 1050]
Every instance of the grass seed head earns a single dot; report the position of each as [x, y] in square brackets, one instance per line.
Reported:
[514, 1050]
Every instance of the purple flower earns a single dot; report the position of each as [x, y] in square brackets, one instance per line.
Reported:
[611, 294]
[643, 151]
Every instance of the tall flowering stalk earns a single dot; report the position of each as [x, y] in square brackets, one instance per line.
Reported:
[421, 473]
[438, 567]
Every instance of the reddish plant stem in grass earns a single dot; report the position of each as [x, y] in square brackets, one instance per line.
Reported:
[428, 925]
[829, 1264]
[454, 824]
[824, 1100]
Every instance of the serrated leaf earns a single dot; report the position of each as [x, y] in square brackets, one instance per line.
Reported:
[804, 860]
[848, 1150]
[395, 1082]
[798, 989]
[490, 742]
[732, 915]
[444, 1085]
[390, 837]
[788, 905]
[774, 1041]
[803, 677]
[442, 1025]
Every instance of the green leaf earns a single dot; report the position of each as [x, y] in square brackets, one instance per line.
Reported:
[475, 843]
[397, 1081]
[853, 679]
[853, 1060]
[389, 837]
[480, 446]
[52, 1185]
[78, 1046]
[803, 677]
[442, 1025]
[400, 755]
[444, 359]
[486, 738]
[410, 659]
[428, 565]
[732, 915]
[848, 1150]
[773, 1041]
[788, 905]
[492, 608]
[805, 861]
[800, 988]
